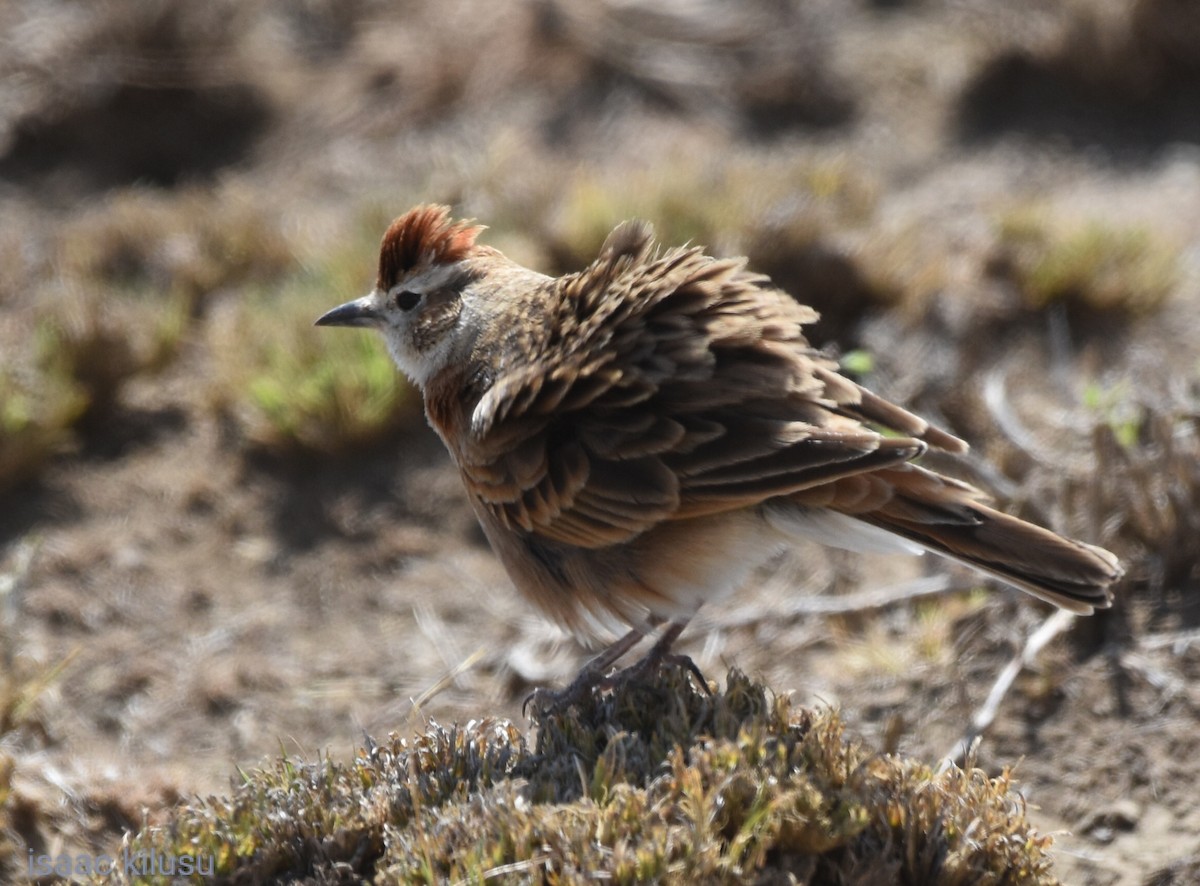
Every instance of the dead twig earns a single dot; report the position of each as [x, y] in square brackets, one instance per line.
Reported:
[1179, 641]
[434, 628]
[448, 678]
[986, 715]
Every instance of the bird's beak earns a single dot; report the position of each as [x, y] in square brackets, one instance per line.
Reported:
[360, 312]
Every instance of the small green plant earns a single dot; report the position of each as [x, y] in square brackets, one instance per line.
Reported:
[38, 407]
[1116, 407]
[315, 392]
[1090, 264]
[858, 362]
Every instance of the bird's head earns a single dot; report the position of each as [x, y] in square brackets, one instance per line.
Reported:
[417, 302]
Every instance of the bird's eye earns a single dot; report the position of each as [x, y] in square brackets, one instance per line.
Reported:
[406, 299]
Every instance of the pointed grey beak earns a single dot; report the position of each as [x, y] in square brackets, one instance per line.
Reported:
[359, 312]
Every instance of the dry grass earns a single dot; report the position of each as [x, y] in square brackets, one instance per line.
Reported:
[296, 389]
[37, 411]
[131, 277]
[126, 279]
[22, 685]
[653, 781]
[790, 217]
[98, 341]
[1145, 496]
[752, 204]
[908, 263]
[1090, 265]
[187, 245]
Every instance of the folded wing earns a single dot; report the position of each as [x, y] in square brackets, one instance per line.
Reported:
[668, 387]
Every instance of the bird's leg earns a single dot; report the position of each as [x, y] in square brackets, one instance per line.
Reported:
[589, 675]
[661, 652]
[594, 673]
[598, 666]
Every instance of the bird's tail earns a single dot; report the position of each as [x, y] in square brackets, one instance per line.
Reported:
[948, 517]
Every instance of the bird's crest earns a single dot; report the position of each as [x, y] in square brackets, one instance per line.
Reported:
[423, 236]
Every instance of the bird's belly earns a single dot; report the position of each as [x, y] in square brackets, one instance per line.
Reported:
[688, 563]
[667, 572]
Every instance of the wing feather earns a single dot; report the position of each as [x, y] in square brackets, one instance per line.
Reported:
[665, 387]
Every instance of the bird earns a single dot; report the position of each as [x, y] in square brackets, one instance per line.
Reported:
[635, 438]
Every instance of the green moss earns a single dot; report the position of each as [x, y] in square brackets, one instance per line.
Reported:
[653, 780]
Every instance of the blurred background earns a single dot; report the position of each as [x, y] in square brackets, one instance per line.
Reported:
[223, 532]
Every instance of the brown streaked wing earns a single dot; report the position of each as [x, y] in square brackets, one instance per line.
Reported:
[869, 406]
[582, 400]
[670, 387]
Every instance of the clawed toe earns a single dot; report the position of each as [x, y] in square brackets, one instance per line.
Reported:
[646, 666]
[595, 673]
[543, 700]
[685, 662]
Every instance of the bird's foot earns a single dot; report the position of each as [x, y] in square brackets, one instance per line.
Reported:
[651, 662]
[594, 674]
[544, 700]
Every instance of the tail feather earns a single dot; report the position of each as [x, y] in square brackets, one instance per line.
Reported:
[951, 518]
[1068, 573]
[943, 517]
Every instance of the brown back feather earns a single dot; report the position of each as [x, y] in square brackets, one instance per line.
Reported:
[663, 386]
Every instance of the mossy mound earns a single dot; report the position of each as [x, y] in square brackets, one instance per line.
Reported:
[650, 781]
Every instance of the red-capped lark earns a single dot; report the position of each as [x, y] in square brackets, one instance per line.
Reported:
[636, 437]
